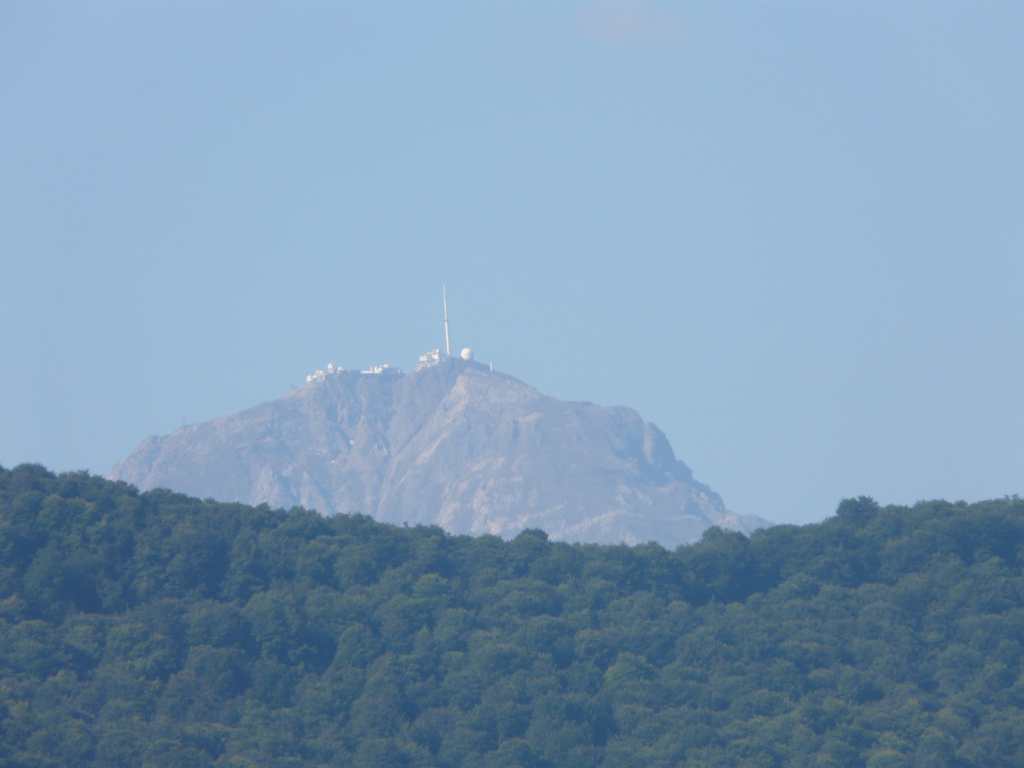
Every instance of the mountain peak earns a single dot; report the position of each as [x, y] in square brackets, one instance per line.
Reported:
[454, 444]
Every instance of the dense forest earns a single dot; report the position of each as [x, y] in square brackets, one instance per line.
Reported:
[153, 629]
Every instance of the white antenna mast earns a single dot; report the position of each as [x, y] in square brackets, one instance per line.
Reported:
[447, 341]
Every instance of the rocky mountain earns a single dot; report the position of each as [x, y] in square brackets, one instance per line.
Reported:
[455, 445]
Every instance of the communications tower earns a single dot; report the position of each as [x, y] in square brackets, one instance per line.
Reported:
[447, 339]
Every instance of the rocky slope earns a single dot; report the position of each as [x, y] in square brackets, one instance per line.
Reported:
[454, 445]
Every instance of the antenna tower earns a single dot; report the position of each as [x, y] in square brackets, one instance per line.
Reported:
[447, 340]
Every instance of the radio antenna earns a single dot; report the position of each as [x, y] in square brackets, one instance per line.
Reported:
[447, 340]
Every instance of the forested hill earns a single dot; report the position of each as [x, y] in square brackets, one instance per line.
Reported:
[159, 630]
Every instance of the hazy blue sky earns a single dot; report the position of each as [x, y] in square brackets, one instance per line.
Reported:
[789, 233]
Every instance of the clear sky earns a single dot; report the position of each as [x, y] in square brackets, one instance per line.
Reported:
[788, 233]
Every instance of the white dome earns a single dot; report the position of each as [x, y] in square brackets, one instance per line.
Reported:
[466, 353]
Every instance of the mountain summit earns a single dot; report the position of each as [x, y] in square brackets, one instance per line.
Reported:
[453, 444]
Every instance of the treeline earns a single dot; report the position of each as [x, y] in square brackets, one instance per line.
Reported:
[157, 630]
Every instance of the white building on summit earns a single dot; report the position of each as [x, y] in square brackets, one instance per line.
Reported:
[380, 370]
[436, 356]
[427, 360]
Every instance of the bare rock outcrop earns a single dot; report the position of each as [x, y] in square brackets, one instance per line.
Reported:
[454, 445]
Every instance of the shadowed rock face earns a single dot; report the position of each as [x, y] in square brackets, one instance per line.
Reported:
[454, 445]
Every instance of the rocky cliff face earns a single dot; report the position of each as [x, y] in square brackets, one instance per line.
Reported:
[453, 445]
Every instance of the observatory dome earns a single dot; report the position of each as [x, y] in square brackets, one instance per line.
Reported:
[466, 353]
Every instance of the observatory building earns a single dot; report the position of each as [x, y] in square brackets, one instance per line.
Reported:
[436, 356]
[429, 359]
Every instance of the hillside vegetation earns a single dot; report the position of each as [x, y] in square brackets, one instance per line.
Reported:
[160, 630]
